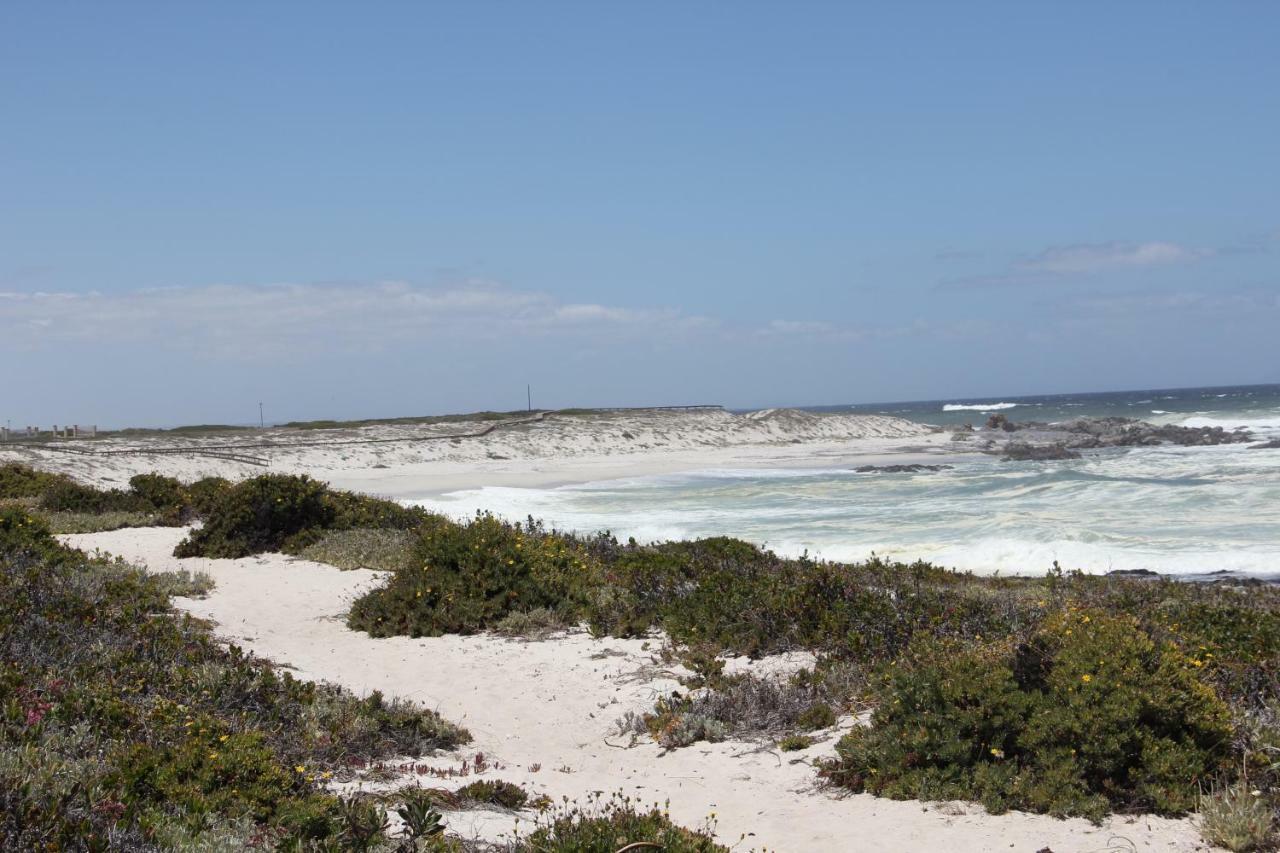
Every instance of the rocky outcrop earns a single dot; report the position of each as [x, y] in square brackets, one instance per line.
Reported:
[1021, 451]
[899, 469]
[1273, 444]
[1084, 433]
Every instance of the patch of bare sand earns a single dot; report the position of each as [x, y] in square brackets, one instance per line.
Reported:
[545, 712]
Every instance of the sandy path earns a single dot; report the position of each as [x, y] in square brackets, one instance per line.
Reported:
[553, 703]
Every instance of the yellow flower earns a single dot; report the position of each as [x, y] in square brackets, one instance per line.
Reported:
[300, 769]
[1086, 678]
[223, 739]
[998, 753]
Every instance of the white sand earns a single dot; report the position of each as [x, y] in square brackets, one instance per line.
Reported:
[415, 461]
[553, 703]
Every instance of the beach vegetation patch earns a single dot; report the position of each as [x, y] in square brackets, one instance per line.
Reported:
[126, 725]
[1237, 818]
[1086, 714]
[617, 823]
[363, 548]
[287, 512]
[467, 577]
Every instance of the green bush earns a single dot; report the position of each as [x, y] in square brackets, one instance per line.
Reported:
[465, 578]
[494, 792]
[1087, 714]
[122, 720]
[1237, 818]
[203, 495]
[24, 536]
[286, 512]
[22, 481]
[612, 825]
[265, 513]
[69, 496]
[363, 548]
[164, 495]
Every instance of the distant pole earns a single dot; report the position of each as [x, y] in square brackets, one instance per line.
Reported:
[261, 423]
[528, 393]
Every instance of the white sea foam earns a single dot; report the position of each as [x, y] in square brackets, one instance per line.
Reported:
[1184, 510]
[1259, 422]
[980, 407]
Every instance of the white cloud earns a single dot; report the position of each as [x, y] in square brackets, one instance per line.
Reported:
[799, 327]
[241, 318]
[1089, 258]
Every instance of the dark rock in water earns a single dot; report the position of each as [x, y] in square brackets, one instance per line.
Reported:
[1273, 444]
[999, 421]
[1132, 573]
[899, 469]
[1020, 451]
[1084, 433]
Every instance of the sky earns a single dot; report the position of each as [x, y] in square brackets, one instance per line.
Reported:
[383, 209]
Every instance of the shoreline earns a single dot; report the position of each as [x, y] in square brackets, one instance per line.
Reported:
[434, 479]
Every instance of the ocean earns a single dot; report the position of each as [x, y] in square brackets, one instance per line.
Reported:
[1188, 511]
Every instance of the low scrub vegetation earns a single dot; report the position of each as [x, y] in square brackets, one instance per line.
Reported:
[282, 512]
[1086, 714]
[73, 507]
[363, 548]
[747, 706]
[614, 824]
[124, 725]
[1063, 694]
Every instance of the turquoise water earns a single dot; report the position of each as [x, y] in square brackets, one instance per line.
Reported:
[1170, 509]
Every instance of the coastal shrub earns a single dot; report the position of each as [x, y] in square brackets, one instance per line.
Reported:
[465, 578]
[66, 495]
[618, 823]
[183, 583]
[164, 495]
[363, 548]
[1237, 818]
[23, 481]
[260, 514]
[122, 722]
[748, 706]
[535, 624]
[747, 600]
[1085, 714]
[794, 743]
[96, 522]
[494, 792]
[203, 495]
[27, 536]
[287, 512]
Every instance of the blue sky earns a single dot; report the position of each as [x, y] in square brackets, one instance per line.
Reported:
[382, 209]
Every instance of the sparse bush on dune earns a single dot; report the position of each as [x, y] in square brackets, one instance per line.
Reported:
[618, 823]
[363, 548]
[1237, 818]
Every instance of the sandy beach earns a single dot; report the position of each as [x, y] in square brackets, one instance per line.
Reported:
[544, 712]
[540, 451]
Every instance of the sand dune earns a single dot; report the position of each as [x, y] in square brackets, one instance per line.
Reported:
[544, 712]
[409, 459]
